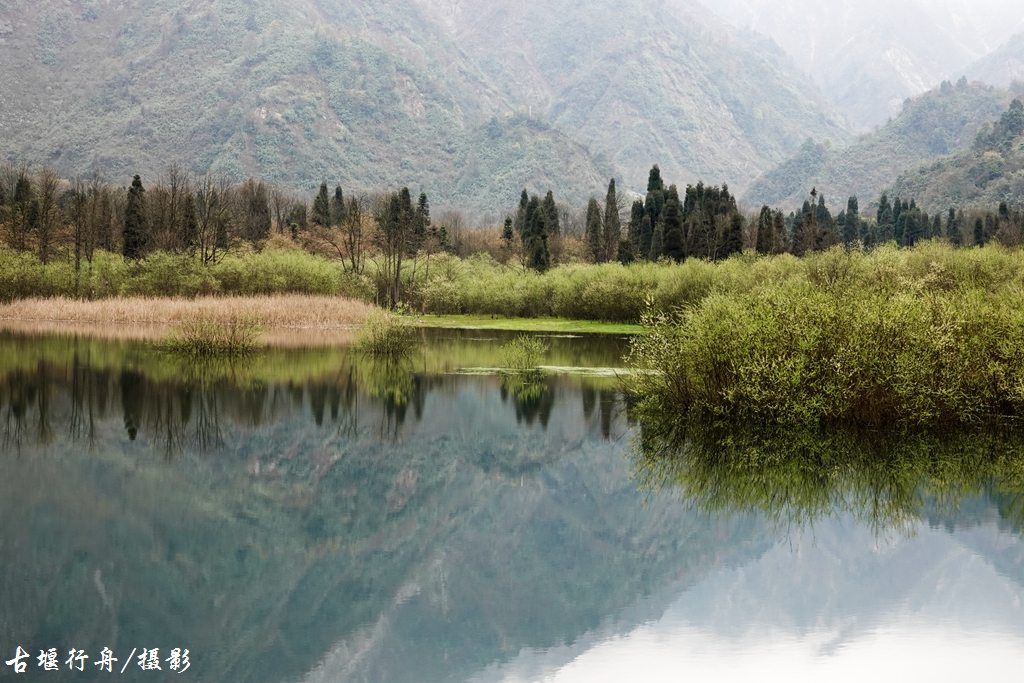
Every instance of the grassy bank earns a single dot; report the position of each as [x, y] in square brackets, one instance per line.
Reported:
[552, 325]
[929, 337]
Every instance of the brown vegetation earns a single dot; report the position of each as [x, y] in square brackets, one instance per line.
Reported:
[290, 320]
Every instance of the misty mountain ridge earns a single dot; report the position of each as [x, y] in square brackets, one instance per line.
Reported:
[467, 100]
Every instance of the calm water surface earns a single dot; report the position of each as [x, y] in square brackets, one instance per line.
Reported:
[315, 516]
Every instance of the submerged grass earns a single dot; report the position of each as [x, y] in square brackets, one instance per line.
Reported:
[930, 337]
[202, 336]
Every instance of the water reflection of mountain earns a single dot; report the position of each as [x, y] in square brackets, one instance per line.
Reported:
[377, 522]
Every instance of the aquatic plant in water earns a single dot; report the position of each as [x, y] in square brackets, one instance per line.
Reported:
[523, 353]
[385, 334]
[203, 336]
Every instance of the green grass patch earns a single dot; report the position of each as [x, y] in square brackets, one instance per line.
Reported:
[554, 325]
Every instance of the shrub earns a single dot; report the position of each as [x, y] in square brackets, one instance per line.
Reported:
[384, 334]
[523, 353]
[202, 336]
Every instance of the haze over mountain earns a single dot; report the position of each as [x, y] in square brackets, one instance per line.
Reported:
[939, 122]
[1003, 66]
[868, 56]
[465, 99]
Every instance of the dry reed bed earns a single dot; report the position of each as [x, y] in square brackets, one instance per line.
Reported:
[290, 320]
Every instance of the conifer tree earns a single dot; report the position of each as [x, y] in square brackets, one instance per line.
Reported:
[765, 232]
[851, 226]
[655, 195]
[979, 231]
[594, 231]
[657, 243]
[885, 221]
[612, 223]
[672, 227]
[936, 231]
[732, 238]
[134, 238]
[636, 219]
[508, 232]
[420, 224]
[321, 214]
[551, 215]
[625, 254]
[521, 214]
[535, 236]
[646, 237]
[781, 242]
[338, 207]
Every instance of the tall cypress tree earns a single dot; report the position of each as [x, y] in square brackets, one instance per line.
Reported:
[321, 214]
[535, 236]
[551, 215]
[521, 214]
[765, 231]
[732, 238]
[636, 219]
[646, 236]
[420, 224]
[672, 227]
[657, 242]
[612, 223]
[508, 232]
[594, 231]
[134, 243]
[851, 226]
[655, 195]
[885, 230]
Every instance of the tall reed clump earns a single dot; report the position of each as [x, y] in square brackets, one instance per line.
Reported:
[385, 334]
[203, 336]
[927, 339]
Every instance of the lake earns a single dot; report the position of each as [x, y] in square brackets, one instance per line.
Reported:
[315, 515]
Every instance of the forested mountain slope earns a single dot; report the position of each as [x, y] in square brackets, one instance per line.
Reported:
[939, 122]
[469, 101]
[987, 174]
[868, 56]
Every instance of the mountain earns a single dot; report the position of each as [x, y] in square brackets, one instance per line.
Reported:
[868, 56]
[1003, 66]
[465, 99]
[939, 122]
[990, 172]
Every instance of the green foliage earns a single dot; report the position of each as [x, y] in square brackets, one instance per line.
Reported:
[523, 353]
[202, 336]
[931, 336]
[385, 334]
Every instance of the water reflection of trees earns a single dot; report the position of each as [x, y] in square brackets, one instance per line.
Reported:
[192, 407]
[795, 477]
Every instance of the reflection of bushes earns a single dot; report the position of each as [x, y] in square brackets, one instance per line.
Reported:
[801, 475]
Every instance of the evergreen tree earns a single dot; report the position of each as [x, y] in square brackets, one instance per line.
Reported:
[646, 237]
[625, 254]
[594, 231]
[322, 208]
[338, 208]
[732, 238]
[612, 223]
[912, 226]
[521, 214]
[953, 228]
[551, 215]
[636, 219]
[134, 243]
[851, 226]
[781, 241]
[899, 216]
[420, 224]
[657, 243]
[508, 232]
[672, 227]
[979, 231]
[765, 242]
[884, 232]
[936, 231]
[535, 236]
[655, 195]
